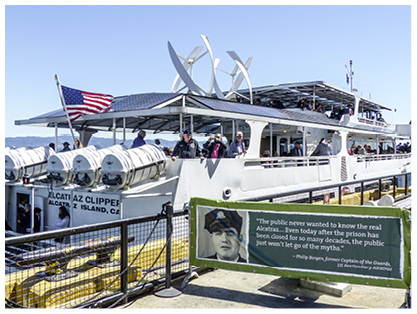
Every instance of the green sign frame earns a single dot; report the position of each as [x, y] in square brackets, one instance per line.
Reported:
[337, 243]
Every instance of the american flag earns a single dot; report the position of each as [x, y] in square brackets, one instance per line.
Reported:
[79, 103]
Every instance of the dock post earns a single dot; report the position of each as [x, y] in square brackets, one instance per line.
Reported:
[168, 291]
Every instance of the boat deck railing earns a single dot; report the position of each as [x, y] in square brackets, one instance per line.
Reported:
[372, 157]
[358, 192]
[292, 161]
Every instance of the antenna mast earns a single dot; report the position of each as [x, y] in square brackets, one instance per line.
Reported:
[349, 76]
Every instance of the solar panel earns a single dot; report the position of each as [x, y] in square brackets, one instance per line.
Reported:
[142, 101]
[237, 107]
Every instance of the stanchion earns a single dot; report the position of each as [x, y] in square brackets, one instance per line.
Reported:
[168, 291]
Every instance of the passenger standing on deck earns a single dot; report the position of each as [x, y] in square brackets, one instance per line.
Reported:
[237, 147]
[349, 110]
[78, 144]
[66, 147]
[23, 218]
[323, 149]
[62, 222]
[296, 151]
[139, 140]
[187, 147]
[215, 149]
[351, 150]
[157, 142]
[37, 222]
[359, 150]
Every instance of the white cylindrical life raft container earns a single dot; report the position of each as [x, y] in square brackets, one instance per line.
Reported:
[132, 166]
[28, 163]
[86, 166]
[60, 165]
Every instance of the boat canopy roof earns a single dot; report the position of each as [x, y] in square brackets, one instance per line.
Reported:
[160, 111]
[324, 93]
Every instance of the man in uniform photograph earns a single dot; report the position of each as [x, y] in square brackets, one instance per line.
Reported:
[225, 227]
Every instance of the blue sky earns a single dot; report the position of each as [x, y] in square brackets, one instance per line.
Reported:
[123, 50]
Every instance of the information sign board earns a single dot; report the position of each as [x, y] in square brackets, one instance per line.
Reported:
[355, 244]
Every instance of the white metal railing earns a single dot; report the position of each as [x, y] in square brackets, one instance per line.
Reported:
[284, 162]
[367, 157]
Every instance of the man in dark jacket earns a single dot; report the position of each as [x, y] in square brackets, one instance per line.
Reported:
[139, 140]
[37, 221]
[186, 148]
[296, 151]
[215, 149]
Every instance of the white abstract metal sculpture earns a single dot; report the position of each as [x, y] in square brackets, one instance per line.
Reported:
[213, 81]
[185, 72]
[187, 64]
[238, 81]
[243, 74]
[182, 71]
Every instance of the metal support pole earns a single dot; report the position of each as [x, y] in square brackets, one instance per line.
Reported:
[56, 137]
[168, 291]
[124, 131]
[114, 131]
[169, 212]
[379, 188]
[32, 209]
[405, 184]
[310, 197]
[340, 194]
[123, 260]
[393, 187]
[362, 193]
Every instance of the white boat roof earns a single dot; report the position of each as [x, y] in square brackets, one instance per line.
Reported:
[322, 92]
[160, 111]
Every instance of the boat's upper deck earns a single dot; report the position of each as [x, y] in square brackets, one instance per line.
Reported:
[163, 111]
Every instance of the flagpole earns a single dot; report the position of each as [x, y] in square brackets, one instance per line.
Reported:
[65, 109]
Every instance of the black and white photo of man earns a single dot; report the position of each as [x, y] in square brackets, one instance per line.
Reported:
[224, 227]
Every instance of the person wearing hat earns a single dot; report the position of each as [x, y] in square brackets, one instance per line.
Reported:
[139, 140]
[237, 147]
[66, 147]
[187, 147]
[224, 227]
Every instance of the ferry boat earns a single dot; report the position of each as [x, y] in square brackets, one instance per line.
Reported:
[99, 185]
